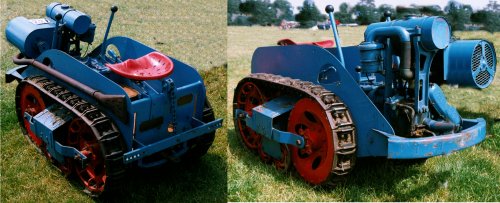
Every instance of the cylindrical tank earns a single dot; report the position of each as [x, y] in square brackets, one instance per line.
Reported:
[74, 20]
[436, 32]
[470, 63]
[31, 37]
[371, 57]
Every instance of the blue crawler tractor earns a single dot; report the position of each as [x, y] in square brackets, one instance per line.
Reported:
[95, 114]
[308, 106]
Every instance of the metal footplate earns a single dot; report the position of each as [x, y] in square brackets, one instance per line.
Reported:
[166, 143]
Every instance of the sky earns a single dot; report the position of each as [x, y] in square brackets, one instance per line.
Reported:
[321, 4]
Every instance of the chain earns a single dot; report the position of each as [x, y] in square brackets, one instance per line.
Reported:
[171, 93]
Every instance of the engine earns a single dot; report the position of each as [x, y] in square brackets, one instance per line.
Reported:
[34, 36]
[402, 63]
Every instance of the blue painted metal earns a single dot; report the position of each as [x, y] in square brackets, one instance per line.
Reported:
[336, 36]
[55, 38]
[150, 149]
[439, 102]
[75, 20]
[413, 148]
[353, 61]
[45, 123]
[436, 32]
[177, 100]
[470, 63]
[271, 148]
[262, 121]
[307, 62]
[421, 82]
[372, 60]
[30, 38]
[14, 74]
[383, 32]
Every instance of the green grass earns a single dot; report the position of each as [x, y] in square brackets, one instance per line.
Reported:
[469, 175]
[191, 31]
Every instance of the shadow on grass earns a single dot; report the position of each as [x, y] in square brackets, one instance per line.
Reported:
[473, 115]
[383, 177]
[203, 180]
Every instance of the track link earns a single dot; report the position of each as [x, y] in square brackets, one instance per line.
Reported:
[106, 132]
[341, 124]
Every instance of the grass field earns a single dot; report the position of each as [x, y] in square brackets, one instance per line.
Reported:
[469, 175]
[193, 32]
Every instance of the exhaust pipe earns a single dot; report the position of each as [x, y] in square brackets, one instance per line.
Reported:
[115, 102]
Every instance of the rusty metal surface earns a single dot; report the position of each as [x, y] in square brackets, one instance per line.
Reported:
[413, 148]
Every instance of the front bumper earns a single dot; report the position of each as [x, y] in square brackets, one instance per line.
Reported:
[413, 148]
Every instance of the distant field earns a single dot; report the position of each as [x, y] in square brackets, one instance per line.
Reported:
[191, 31]
[469, 175]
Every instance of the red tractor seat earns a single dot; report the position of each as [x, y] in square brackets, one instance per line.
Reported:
[324, 44]
[151, 66]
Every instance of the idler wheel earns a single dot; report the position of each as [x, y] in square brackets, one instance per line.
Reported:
[31, 102]
[247, 97]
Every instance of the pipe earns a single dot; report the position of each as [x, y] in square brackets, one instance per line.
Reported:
[405, 65]
[412, 111]
[107, 100]
[440, 126]
[400, 32]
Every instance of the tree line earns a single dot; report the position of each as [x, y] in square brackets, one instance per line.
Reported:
[264, 12]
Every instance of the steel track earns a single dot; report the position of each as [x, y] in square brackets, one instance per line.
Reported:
[343, 129]
[108, 136]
